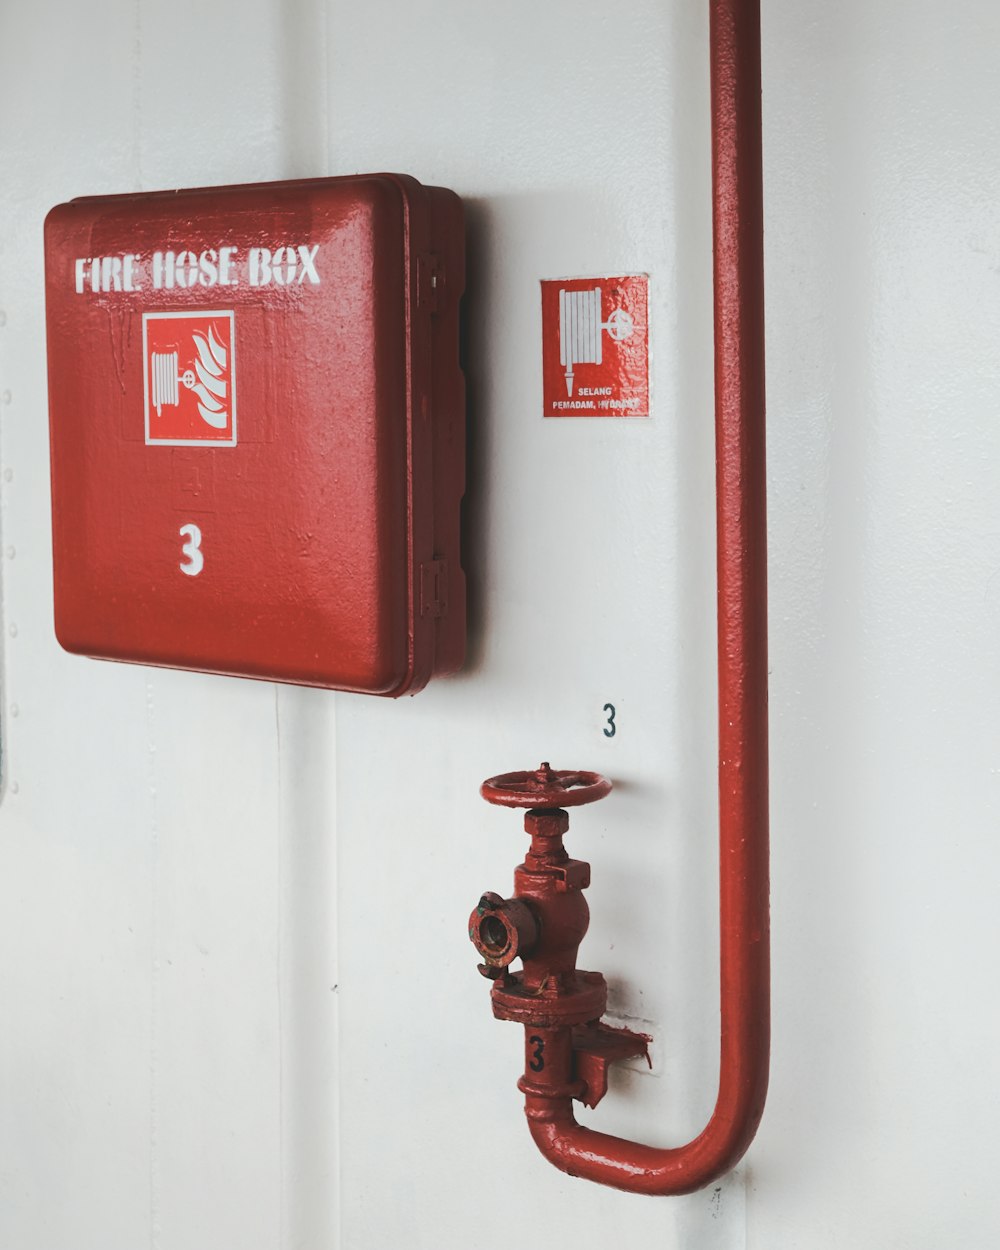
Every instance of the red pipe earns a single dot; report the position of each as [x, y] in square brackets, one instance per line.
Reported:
[742, 593]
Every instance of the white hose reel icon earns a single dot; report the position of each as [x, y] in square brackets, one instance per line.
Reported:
[580, 326]
[166, 380]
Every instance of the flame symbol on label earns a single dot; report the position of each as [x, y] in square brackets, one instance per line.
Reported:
[210, 386]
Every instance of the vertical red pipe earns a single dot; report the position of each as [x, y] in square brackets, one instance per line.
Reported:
[742, 604]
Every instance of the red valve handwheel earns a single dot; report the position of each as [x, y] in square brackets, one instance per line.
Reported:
[546, 787]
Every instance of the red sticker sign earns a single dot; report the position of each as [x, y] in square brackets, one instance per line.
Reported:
[595, 347]
[190, 378]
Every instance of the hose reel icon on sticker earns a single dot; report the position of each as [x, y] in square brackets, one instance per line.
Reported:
[189, 368]
[580, 327]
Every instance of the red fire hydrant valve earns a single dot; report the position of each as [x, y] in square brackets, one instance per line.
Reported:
[567, 1048]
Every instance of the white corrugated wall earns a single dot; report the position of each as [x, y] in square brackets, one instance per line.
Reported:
[238, 1005]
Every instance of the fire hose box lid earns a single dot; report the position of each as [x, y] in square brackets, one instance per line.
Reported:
[257, 425]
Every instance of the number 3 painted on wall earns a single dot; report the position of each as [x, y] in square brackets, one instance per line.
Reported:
[192, 551]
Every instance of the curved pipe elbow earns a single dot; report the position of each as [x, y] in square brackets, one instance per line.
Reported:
[640, 1169]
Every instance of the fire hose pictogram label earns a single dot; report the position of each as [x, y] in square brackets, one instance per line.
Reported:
[190, 378]
[595, 347]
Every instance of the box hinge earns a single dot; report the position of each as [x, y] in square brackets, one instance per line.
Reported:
[430, 283]
[434, 588]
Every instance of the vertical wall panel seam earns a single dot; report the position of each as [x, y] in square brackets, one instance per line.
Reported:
[154, 961]
[324, 8]
[155, 1196]
[280, 832]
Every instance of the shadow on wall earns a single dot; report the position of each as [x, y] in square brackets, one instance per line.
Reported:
[472, 348]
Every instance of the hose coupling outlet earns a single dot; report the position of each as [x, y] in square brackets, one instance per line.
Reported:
[502, 930]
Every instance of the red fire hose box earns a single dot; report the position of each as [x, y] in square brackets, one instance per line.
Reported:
[257, 430]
